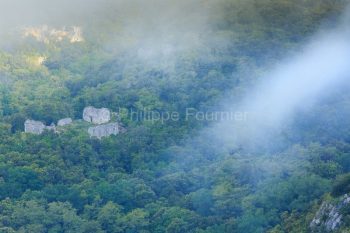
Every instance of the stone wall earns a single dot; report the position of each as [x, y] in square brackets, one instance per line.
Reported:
[106, 130]
[37, 127]
[64, 122]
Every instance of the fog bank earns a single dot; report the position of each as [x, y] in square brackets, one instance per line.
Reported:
[295, 84]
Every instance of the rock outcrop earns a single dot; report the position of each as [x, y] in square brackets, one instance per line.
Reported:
[96, 115]
[106, 130]
[328, 218]
[64, 122]
[37, 127]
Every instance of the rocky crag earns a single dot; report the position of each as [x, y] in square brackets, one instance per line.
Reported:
[329, 217]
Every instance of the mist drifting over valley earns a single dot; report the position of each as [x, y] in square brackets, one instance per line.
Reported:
[295, 83]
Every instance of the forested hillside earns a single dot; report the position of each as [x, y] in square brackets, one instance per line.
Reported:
[162, 176]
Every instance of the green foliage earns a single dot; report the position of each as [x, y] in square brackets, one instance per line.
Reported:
[149, 179]
[341, 186]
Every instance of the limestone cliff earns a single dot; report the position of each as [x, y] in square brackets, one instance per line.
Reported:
[329, 217]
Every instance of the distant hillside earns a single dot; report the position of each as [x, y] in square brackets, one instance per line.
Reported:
[136, 57]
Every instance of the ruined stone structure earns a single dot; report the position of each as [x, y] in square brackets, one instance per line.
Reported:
[106, 130]
[37, 127]
[99, 117]
[96, 115]
[51, 127]
[34, 127]
[64, 122]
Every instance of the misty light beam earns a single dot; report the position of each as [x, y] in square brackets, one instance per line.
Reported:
[299, 81]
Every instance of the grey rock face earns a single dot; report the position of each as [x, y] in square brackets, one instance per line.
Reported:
[96, 116]
[106, 130]
[37, 127]
[328, 218]
[34, 127]
[64, 122]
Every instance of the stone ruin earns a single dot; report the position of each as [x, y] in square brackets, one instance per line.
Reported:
[37, 127]
[64, 122]
[100, 117]
[105, 130]
[96, 115]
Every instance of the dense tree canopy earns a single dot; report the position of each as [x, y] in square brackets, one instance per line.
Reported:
[151, 179]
